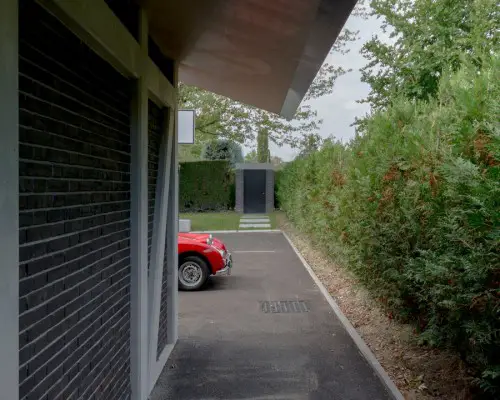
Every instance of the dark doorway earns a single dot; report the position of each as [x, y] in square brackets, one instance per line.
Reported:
[254, 191]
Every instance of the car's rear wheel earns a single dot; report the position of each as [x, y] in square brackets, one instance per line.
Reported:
[193, 273]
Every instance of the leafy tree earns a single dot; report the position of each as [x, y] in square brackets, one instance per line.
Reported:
[275, 160]
[216, 116]
[190, 152]
[309, 144]
[220, 117]
[427, 38]
[222, 149]
[263, 153]
[251, 156]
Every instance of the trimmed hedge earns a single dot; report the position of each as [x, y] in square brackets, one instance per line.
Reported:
[206, 186]
[413, 208]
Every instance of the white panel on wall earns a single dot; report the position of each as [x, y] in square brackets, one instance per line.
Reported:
[186, 125]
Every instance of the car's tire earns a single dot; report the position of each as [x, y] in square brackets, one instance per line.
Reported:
[193, 273]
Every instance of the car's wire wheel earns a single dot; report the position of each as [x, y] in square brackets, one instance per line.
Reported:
[193, 273]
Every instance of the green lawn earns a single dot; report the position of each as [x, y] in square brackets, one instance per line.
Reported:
[212, 221]
[218, 221]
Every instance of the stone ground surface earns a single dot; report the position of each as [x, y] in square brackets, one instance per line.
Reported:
[233, 344]
[253, 226]
[250, 221]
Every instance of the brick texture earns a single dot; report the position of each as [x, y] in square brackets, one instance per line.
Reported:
[74, 167]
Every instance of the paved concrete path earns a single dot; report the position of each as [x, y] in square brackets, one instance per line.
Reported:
[252, 221]
[233, 345]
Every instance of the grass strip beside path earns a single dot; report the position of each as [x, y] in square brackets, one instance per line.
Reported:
[219, 221]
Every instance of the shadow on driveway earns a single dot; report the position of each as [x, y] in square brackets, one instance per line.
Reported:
[229, 348]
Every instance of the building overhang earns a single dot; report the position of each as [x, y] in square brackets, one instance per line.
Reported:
[264, 53]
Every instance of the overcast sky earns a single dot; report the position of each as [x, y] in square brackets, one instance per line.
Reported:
[339, 109]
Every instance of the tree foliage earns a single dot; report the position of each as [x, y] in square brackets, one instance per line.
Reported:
[263, 153]
[276, 161]
[220, 117]
[427, 38]
[251, 156]
[309, 144]
[222, 149]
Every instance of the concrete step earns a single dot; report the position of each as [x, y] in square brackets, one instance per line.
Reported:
[261, 226]
[254, 221]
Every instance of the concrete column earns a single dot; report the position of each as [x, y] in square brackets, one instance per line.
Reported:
[139, 348]
[9, 201]
[170, 257]
[159, 232]
[270, 190]
[172, 232]
[239, 188]
[173, 229]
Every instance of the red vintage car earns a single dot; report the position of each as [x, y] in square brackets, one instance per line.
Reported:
[200, 256]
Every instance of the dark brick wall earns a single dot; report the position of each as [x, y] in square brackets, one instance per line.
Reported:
[74, 217]
[155, 128]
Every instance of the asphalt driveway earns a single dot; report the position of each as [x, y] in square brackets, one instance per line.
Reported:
[265, 332]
